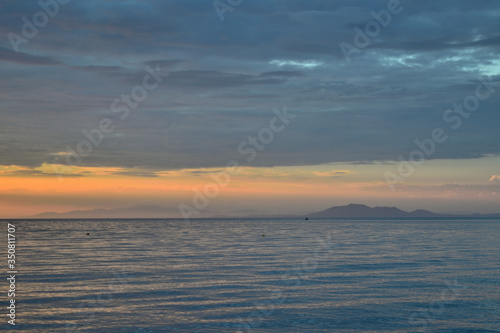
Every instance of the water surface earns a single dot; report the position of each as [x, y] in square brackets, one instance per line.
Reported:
[225, 276]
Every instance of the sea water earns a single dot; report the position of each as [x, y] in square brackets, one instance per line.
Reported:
[256, 275]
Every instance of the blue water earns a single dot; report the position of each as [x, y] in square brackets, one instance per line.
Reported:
[224, 276]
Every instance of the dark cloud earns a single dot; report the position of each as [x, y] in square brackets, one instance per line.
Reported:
[135, 174]
[7, 55]
[163, 63]
[36, 173]
[282, 74]
[225, 78]
[93, 68]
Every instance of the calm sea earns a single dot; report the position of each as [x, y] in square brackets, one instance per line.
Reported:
[217, 275]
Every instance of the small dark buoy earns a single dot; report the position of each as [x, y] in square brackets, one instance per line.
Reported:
[263, 235]
[307, 219]
[88, 234]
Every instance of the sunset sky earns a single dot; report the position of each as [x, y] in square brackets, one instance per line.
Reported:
[109, 104]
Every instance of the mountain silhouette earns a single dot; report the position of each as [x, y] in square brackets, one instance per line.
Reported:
[363, 211]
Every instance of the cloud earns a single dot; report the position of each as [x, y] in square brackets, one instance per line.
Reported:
[293, 63]
[94, 68]
[163, 63]
[25, 58]
[332, 173]
[15, 171]
[225, 78]
[495, 178]
[282, 74]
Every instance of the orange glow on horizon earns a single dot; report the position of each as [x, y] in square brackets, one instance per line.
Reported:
[25, 191]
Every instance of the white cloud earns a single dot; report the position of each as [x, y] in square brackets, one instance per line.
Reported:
[303, 64]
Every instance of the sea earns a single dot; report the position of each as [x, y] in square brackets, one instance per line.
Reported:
[254, 275]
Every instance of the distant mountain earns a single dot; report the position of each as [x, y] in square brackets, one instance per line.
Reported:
[363, 211]
[349, 211]
[130, 212]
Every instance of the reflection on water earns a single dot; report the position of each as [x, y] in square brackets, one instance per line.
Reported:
[225, 276]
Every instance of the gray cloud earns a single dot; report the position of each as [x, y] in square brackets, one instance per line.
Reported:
[226, 77]
[24, 58]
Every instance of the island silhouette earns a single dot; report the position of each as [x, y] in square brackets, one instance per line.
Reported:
[347, 211]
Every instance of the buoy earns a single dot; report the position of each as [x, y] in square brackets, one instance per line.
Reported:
[263, 235]
[88, 234]
[307, 219]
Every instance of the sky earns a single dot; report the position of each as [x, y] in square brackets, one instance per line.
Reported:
[265, 106]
